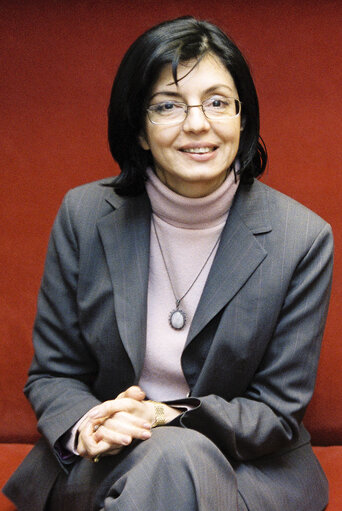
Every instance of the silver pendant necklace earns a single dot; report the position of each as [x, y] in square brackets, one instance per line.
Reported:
[177, 317]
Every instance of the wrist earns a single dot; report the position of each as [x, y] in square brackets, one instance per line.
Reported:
[159, 418]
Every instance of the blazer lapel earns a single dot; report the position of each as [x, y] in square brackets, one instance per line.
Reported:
[238, 255]
[125, 235]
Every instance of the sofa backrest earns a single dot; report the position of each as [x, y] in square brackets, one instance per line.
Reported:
[55, 86]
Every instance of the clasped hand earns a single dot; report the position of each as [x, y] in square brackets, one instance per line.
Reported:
[112, 425]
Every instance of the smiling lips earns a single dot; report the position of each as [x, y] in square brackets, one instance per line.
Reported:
[199, 153]
[198, 150]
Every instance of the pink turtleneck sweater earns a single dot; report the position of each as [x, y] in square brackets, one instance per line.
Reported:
[188, 230]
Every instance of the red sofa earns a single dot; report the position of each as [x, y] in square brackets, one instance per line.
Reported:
[57, 65]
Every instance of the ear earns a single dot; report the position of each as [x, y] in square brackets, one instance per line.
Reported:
[143, 142]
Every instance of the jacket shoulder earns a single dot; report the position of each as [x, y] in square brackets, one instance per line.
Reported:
[90, 194]
[288, 210]
[82, 207]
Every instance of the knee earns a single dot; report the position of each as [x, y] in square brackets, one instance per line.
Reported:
[180, 443]
[191, 472]
[171, 435]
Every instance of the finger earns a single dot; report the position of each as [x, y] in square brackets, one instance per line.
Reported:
[95, 439]
[133, 392]
[123, 439]
[113, 438]
[122, 427]
[114, 451]
[128, 419]
[109, 408]
[87, 445]
[110, 452]
[103, 448]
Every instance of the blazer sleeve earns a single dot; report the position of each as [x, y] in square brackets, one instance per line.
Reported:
[267, 416]
[62, 369]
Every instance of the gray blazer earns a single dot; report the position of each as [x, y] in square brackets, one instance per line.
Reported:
[252, 351]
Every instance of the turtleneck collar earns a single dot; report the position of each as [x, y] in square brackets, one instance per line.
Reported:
[190, 213]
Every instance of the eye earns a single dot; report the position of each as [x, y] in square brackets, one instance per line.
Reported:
[165, 108]
[217, 103]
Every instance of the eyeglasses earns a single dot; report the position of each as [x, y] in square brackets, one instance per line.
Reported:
[174, 112]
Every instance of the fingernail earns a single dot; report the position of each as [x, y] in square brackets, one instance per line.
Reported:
[126, 440]
[147, 425]
[145, 435]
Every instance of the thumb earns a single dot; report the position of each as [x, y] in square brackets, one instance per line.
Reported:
[133, 392]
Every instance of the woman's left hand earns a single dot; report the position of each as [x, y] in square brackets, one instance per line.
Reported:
[125, 416]
[131, 401]
[115, 423]
[109, 427]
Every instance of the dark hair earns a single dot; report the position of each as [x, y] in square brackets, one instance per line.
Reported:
[172, 42]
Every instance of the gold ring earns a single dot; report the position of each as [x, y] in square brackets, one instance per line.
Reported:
[97, 458]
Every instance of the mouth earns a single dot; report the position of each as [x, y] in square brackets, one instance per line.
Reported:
[198, 150]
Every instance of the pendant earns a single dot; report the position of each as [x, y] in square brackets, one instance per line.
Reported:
[177, 319]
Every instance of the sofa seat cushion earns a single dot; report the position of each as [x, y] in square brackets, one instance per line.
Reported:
[11, 455]
[331, 461]
[330, 458]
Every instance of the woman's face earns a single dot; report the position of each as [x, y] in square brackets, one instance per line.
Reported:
[193, 157]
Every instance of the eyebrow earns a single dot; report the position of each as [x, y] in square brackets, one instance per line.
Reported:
[173, 94]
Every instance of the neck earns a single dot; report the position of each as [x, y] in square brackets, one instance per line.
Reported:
[192, 189]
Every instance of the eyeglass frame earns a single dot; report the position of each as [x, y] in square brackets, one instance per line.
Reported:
[186, 111]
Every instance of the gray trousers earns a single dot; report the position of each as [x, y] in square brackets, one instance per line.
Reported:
[175, 470]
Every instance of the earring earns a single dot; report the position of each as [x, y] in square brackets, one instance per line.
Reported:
[235, 178]
[236, 169]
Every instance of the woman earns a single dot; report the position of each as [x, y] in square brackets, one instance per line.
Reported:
[182, 305]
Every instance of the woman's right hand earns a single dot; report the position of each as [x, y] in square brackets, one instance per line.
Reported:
[109, 435]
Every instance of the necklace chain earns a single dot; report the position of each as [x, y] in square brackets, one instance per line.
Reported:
[178, 300]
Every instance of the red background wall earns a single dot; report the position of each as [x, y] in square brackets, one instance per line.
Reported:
[58, 59]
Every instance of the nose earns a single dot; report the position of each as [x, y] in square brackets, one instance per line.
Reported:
[196, 121]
